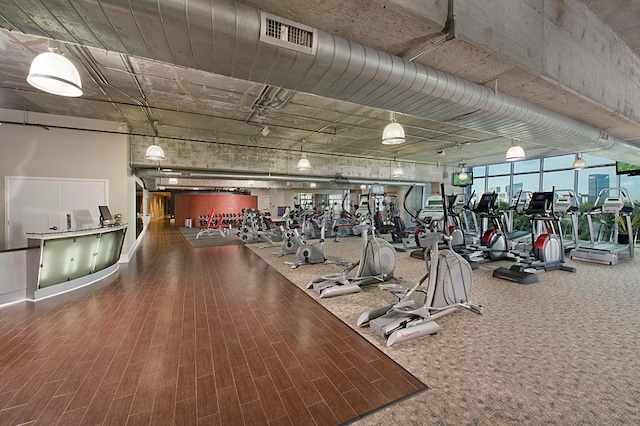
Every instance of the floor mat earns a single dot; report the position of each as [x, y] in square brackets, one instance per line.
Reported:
[212, 239]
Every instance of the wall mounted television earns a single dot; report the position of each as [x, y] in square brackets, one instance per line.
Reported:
[627, 169]
[456, 181]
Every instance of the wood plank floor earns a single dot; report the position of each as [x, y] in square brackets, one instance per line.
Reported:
[189, 336]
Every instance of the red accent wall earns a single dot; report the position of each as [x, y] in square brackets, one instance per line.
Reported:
[194, 205]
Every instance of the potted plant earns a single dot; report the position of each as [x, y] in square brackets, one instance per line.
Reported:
[623, 233]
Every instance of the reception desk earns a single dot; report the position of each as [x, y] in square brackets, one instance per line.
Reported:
[67, 260]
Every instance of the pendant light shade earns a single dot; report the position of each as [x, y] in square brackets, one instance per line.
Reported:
[515, 153]
[154, 152]
[398, 172]
[55, 74]
[393, 133]
[579, 163]
[303, 164]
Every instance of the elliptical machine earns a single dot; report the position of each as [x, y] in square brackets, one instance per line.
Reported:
[449, 289]
[377, 264]
[548, 249]
[494, 243]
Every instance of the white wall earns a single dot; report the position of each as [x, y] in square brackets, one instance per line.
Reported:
[66, 147]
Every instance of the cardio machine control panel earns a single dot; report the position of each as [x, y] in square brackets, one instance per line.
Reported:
[486, 205]
[433, 211]
[541, 203]
[612, 205]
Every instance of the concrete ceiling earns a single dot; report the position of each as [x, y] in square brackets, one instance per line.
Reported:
[192, 103]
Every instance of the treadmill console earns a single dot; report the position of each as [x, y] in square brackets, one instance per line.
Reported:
[563, 205]
[612, 205]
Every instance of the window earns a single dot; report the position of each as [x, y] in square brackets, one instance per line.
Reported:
[592, 180]
[632, 185]
[305, 200]
[559, 163]
[526, 166]
[562, 179]
[592, 160]
[500, 169]
[478, 187]
[526, 182]
[335, 201]
[480, 171]
[500, 185]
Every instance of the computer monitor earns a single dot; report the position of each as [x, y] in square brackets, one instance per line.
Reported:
[105, 216]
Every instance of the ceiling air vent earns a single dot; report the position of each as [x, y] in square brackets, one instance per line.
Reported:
[285, 33]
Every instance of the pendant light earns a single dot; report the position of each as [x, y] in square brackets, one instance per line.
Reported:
[515, 152]
[303, 164]
[155, 152]
[579, 163]
[463, 172]
[393, 133]
[398, 172]
[53, 73]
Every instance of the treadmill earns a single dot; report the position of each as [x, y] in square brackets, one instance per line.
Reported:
[566, 206]
[607, 210]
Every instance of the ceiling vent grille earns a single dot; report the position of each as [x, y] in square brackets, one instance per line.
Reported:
[285, 33]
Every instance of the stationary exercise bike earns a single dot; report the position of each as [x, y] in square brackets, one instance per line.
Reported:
[449, 287]
[308, 254]
[377, 264]
[291, 239]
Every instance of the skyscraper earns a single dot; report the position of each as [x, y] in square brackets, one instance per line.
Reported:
[596, 184]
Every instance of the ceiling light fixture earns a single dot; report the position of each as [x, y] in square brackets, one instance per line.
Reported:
[398, 172]
[393, 133]
[154, 152]
[303, 164]
[53, 73]
[463, 172]
[515, 152]
[579, 163]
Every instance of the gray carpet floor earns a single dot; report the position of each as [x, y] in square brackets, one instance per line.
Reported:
[562, 351]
